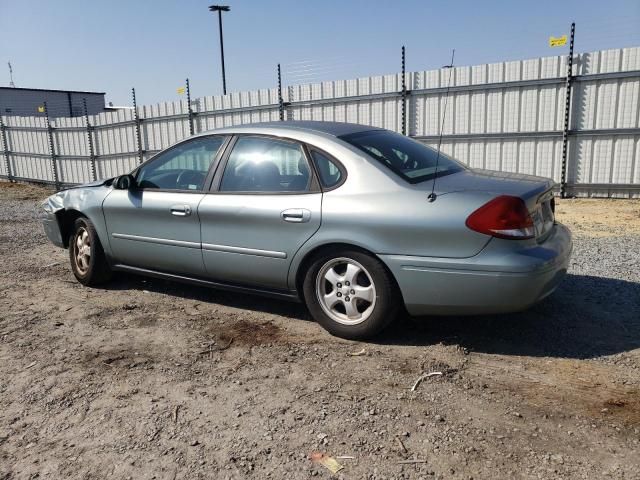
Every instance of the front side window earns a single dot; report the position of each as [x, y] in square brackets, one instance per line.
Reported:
[183, 167]
[413, 161]
[260, 164]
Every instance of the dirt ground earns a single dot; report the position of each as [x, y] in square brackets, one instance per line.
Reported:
[148, 379]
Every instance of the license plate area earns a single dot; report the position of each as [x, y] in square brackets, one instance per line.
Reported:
[543, 216]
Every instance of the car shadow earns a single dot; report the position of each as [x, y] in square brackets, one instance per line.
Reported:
[585, 317]
[257, 303]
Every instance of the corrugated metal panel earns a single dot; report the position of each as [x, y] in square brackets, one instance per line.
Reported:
[110, 167]
[3, 158]
[506, 116]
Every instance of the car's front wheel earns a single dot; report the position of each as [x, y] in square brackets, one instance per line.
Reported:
[350, 294]
[87, 257]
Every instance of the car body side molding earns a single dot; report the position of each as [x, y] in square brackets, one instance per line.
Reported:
[244, 251]
[160, 241]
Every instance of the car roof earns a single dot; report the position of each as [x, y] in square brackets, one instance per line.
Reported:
[335, 129]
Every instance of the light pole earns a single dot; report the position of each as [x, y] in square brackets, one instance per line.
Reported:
[220, 9]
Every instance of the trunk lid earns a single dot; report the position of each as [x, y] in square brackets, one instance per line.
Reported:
[536, 192]
[500, 183]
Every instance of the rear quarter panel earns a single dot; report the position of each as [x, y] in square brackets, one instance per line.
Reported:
[380, 212]
[402, 222]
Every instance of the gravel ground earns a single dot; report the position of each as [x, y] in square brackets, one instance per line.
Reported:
[148, 379]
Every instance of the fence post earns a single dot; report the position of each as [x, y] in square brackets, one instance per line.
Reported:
[52, 149]
[289, 111]
[92, 155]
[280, 101]
[567, 114]
[403, 93]
[138, 122]
[191, 114]
[7, 161]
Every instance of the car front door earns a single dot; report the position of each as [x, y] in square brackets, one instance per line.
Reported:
[155, 224]
[264, 205]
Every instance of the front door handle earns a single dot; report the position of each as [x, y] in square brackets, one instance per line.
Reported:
[180, 210]
[296, 215]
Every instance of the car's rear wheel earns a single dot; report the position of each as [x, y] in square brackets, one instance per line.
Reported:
[350, 294]
[87, 257]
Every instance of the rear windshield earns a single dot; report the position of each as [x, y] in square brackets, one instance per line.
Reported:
[413, 161]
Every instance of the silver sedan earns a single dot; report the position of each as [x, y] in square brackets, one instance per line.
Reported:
[357, 222]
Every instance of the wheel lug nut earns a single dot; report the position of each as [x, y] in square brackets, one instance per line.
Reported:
[353, 292]
[338, 294]
[347, 283]
[339, 285]
[347, 298]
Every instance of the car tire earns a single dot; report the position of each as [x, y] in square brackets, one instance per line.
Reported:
[350, 293]
[88, 261]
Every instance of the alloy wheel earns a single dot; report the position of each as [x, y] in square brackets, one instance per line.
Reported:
[82, 250]
[345, 291]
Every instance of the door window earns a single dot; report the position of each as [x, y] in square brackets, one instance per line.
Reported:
[183, 167]
[260, 164]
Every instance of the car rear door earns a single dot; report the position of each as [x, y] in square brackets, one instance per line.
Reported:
[264, 205]
[155, 225]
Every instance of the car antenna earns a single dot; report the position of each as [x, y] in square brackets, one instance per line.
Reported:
[432, 196]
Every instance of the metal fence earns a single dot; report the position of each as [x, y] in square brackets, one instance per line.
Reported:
[507, 116]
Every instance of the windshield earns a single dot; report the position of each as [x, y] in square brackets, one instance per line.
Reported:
[412, 160]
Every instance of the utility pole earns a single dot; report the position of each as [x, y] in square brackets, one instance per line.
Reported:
[220, 9]
[11, 84]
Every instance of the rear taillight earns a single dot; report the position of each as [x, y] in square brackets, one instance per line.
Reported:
[503, 217]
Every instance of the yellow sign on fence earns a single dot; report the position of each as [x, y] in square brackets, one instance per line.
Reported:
[40, 108]
[557, 41]
[180, 90]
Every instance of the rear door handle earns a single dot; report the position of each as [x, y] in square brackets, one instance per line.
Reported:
[180, 210]
[296, 215]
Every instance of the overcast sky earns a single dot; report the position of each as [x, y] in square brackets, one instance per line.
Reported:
[154, 45]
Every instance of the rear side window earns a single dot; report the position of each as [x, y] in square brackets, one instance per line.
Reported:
[261, 164]
[330, 174]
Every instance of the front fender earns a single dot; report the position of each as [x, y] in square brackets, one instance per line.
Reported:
[49, 216]
[87, 201]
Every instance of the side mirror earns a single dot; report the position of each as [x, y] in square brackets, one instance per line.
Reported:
[124, 182]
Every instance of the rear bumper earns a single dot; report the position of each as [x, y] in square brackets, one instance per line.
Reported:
[499, 279]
